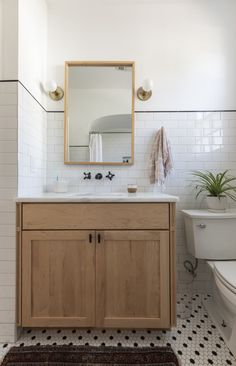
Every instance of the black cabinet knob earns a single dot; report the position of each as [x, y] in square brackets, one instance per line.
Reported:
[98, 176]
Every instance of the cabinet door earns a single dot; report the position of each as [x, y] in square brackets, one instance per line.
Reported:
[58, 278]
[132, 279]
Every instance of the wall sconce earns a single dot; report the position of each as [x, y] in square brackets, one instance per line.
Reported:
[55, 92]
[145, 91]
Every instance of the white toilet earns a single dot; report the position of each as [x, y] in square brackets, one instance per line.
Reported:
[212, 236]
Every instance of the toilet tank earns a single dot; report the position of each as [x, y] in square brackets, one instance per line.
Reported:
[211, 235]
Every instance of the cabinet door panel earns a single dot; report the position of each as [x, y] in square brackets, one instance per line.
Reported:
[58, 279]
[133, 279]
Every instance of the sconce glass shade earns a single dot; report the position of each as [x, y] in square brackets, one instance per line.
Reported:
[55, 92]
[145, 91]
[147, 85]
[51, 86]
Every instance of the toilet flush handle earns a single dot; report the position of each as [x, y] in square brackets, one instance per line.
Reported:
[202, 226]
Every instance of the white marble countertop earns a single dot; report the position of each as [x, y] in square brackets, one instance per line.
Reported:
[99, 197]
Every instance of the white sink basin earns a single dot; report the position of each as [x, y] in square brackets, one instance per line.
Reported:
[100, 194]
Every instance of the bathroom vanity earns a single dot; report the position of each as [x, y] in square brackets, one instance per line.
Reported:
[96, 261]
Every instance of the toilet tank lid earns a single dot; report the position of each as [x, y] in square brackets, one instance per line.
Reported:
[205, 214]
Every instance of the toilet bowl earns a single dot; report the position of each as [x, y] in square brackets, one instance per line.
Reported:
[225, 278]
[212, 236]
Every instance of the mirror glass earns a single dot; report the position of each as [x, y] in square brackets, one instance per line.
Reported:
[99, 104]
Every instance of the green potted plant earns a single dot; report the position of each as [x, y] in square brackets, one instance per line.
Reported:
[217, 188]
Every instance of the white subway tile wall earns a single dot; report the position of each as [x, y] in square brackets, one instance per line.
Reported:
[32, 144]
[199, 140]
[8, 190]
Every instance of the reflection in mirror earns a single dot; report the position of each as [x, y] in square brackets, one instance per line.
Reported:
[99, 113]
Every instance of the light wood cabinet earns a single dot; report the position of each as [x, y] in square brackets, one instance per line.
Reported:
[90, 277]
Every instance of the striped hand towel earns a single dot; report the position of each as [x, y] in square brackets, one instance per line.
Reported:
[160, 163]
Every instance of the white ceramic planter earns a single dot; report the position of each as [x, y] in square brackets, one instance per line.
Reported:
[217, 204]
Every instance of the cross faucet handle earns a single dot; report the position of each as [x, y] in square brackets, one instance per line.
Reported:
[87, 175]
[110, 175]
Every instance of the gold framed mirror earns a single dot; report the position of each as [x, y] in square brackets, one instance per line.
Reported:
[99, 112]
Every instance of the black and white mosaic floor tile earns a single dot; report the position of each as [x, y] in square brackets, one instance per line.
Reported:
[195, 339]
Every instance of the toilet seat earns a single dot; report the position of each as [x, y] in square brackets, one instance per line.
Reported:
[225, 271]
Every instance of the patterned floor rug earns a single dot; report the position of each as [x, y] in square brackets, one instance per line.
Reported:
[89, 356]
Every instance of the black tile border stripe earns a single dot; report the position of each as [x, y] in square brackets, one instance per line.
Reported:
[9, 81]
[191, 111]
[137, 111]
[32, 96]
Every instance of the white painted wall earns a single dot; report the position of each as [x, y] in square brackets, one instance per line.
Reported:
[186, 46]
[8, 39]
[23, 43]
[33, 46]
